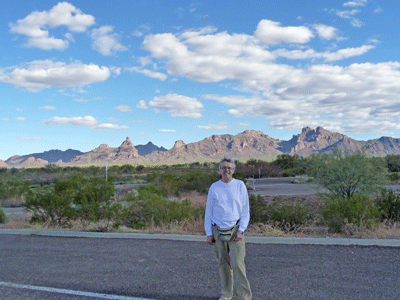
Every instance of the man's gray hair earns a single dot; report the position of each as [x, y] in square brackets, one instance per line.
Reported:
[229, 160]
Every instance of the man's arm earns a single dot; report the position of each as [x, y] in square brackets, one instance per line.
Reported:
[208, 213]
[245, 213]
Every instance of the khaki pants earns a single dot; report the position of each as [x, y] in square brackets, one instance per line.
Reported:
[232, 267]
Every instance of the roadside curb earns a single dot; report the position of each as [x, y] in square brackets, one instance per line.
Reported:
[201, 238]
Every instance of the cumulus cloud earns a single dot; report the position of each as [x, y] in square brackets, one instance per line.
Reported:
[106, 41]
[218, 126]
[44, 74]
[349, 14]
[272, 33]
[288, 96]
[166, 130]
[148, 73]
[326, 32]
[35, 26]
[20, 119]
[123, 108]
[110, 126]
[177, 105]
[355, 3]
[85, 121]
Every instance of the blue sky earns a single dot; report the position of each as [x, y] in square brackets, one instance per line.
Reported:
[78, 74]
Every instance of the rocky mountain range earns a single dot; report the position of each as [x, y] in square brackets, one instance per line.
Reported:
[248, 144]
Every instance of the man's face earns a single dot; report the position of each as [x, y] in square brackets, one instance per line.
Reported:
[226, 171]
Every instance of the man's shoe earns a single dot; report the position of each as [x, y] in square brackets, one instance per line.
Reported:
[224, 298]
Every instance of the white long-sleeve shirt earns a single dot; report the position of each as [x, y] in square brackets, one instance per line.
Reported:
[226, 204]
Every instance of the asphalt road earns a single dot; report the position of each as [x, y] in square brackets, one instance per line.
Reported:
[166, 269]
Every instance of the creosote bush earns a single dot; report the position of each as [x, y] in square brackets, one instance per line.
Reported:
[285, 216]
[288, 216]
[389, 205]
[86, 199]
[3, 216]
[359, 210]
[151, 207]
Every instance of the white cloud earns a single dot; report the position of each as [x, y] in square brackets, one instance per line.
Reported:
[244, 124]
[35, 25]
[105, 41]
[29, 138]
[218, 126]
[272, 33]
[287, 96]
[123, 108]
[177, 105]
[110, 126]
[148, 73]
[20, 119]
[5, 119]
[48, 107]
[378, 9]
[326, 32]
[44, 74]
[85, 121]
[349, 14]
[137, 33]
[166, 130]
[355, 3]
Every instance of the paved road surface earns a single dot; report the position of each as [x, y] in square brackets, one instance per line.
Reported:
[167, 269]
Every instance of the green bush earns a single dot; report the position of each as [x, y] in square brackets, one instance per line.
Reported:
[389, 205]
[393, 177]
[50, 207]
[177, 182]
[288, 216]
[150, 207]
[3, 216]
[87, 199]
[346, 174]
[359, 210]
[258, 207]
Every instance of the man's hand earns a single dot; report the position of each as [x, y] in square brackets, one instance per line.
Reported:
[210, 240]
[238, 237]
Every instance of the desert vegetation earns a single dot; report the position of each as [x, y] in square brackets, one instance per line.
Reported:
[351, 199]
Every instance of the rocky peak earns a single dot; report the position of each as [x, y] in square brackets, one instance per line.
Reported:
[179, 144]
[127, 150]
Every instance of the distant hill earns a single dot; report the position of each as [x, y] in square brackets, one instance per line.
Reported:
[149, 148]
[247, 144]
[52, 156]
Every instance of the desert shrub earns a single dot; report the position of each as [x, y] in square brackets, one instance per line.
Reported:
[177, 182]
[50, 207]
[389, 205]
[3, 216]
[258, 207]
[12, 191]
[150, 207]
[345, 174]
[287, 161]
[393, 177]
[359, 210]
[393, 162]
[288, 216]
[87, 199]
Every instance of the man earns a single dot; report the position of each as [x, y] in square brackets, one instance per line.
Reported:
[226, 218]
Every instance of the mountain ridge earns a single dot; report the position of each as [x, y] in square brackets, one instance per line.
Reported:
[249, 143]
